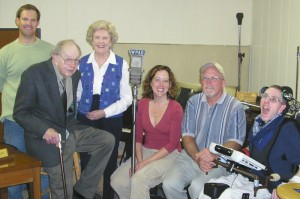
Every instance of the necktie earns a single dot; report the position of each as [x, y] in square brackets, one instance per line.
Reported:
[64, 94]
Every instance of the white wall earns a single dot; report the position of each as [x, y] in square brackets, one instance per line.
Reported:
[276, 35]
[208, 22]
[183, 34]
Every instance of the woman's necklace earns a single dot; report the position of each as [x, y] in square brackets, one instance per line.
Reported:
[100, 61]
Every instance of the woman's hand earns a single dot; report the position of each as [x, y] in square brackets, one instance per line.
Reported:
[95, 115]
[140, 165]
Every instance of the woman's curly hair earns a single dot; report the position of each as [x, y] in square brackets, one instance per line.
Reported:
[147, 90]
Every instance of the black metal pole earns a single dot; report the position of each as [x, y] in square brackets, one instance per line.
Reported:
[297, 72]
[134, 108]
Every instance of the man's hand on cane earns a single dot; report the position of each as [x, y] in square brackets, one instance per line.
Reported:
[51, 137]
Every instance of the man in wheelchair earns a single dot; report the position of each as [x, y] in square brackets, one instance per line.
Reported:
[274, 142]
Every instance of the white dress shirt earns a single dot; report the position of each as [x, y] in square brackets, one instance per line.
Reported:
[125, 89]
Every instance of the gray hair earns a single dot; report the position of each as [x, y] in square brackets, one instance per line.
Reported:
[59, 46]
[212, 64]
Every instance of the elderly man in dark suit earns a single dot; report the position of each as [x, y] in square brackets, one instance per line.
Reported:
[46, 108]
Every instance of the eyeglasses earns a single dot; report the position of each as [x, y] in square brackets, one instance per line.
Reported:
[211, 79]
[69, 61]
[272, 99]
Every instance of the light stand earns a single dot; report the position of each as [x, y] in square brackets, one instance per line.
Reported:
[136, 72]
[239, 17]
[297, 71]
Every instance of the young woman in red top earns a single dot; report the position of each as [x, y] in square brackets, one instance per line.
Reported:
[158, 132]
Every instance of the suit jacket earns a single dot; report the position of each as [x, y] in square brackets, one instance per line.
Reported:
[38, 107]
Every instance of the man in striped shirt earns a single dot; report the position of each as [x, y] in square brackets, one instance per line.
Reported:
[210, 116]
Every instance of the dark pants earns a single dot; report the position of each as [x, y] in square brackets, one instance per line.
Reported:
[113, 126]
[97, 142]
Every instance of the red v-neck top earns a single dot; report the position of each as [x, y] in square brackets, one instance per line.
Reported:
[166, 133]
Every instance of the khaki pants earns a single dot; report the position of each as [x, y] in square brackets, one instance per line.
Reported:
[138, 186]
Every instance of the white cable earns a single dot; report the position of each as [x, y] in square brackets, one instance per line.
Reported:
[295, 179]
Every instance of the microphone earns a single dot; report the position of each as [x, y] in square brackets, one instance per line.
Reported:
[136, 66]
[239, 17]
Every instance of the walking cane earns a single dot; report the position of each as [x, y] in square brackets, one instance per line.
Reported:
[62, 168]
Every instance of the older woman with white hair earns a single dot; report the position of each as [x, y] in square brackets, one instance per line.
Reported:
[104, 92]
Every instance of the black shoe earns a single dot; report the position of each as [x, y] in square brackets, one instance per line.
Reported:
[97, 196]
[77, 195]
